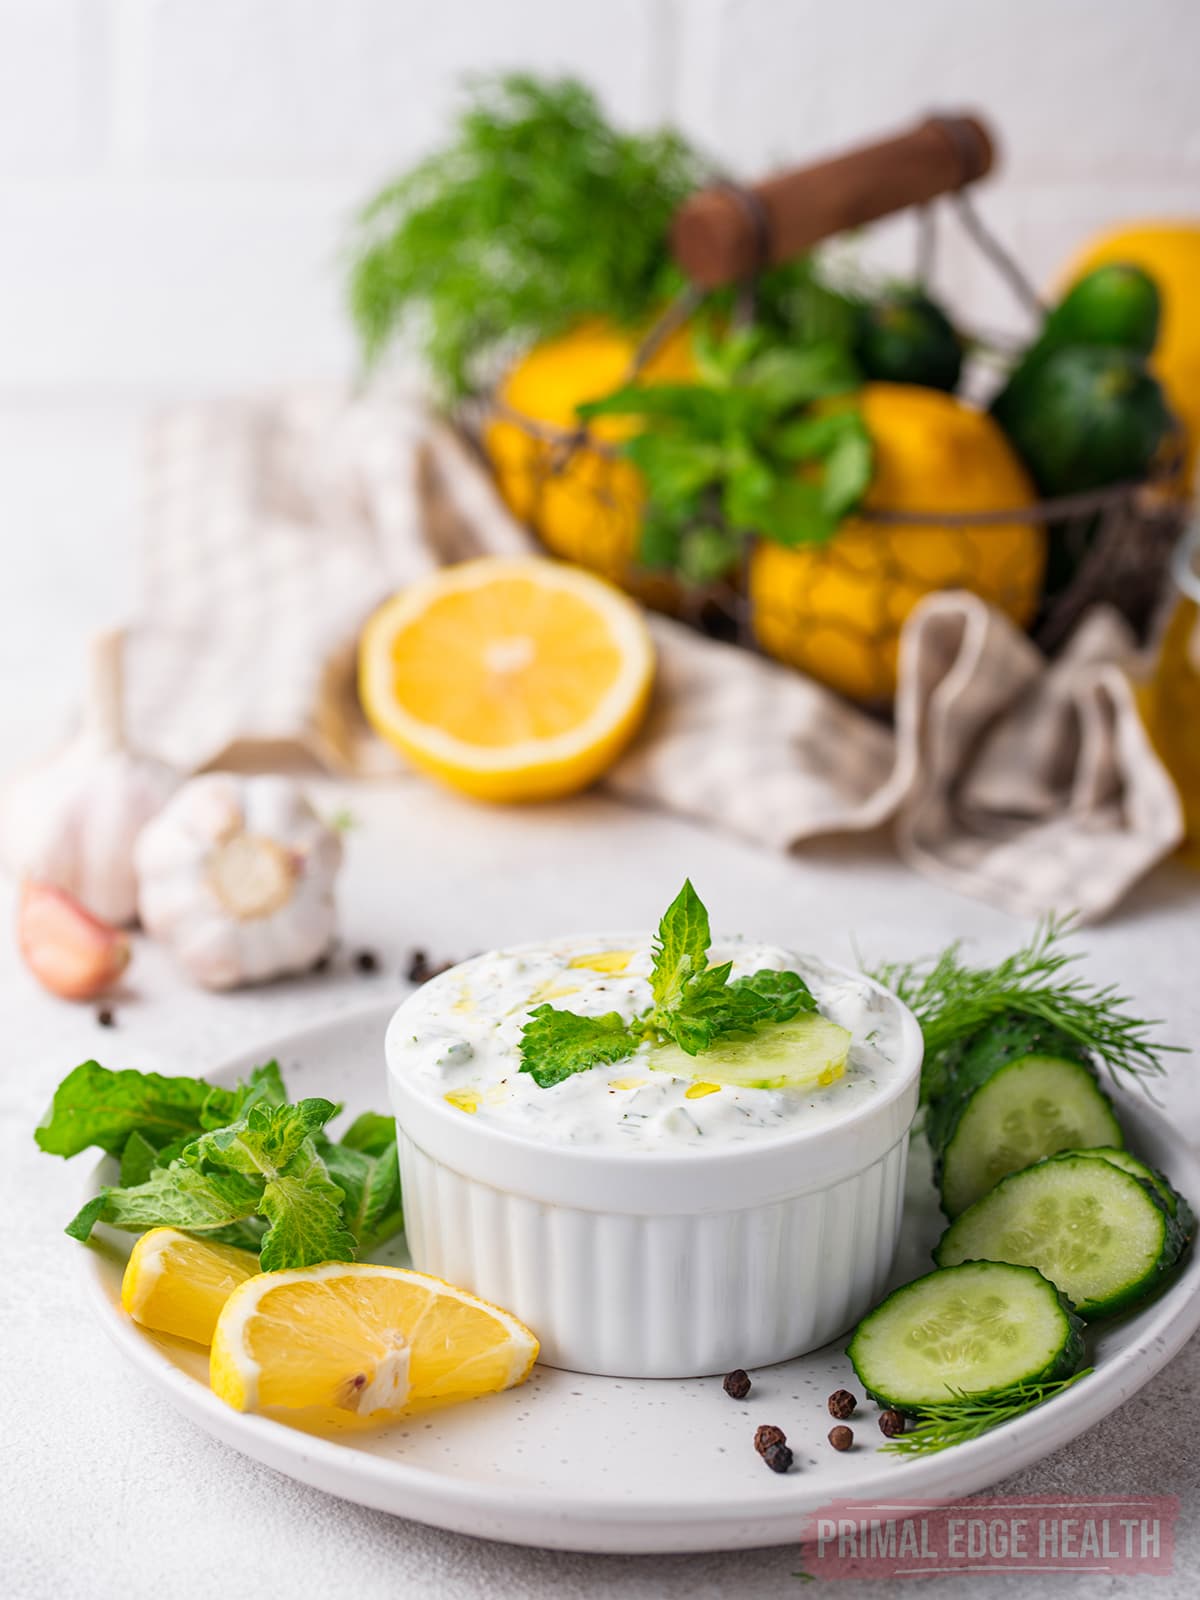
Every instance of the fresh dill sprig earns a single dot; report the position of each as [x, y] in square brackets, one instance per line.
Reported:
[535, 213]
[952, 1000]
[952, 1422]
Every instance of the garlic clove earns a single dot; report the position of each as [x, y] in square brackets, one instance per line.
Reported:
[69, 951]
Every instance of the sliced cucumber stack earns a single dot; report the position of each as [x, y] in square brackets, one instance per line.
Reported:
[1100, 1233]
[976, 1328]
[808, 1052]
[1020, 1091]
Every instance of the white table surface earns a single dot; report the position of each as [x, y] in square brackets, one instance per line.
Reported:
[104, 1491]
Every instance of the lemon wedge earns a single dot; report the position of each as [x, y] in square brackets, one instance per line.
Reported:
[362, 1338]
[508, 679]
[177, 1284]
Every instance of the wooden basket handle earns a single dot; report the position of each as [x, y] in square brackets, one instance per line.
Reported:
[725, 234]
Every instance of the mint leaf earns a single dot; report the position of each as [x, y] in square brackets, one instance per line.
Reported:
[93, 1106]
[178, 1197]
[712, 1007]
[681, 947]
[702, 1011]
[85, 1219]
[782, 378]
[371, 1132]
[263, 1087]
[783, 995]
[794, 513]
[304, 1209]
[138, 1160]
[263, 1142]
[848, 468]
[370, 1186]
[556, 1044]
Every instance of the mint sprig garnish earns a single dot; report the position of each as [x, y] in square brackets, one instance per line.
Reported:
[557, 1044]
[242, 1165]
[694, 1004]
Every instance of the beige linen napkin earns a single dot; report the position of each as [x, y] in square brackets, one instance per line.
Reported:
[273, 526]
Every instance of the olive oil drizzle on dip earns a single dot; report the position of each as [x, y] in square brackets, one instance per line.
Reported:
[463, 1041]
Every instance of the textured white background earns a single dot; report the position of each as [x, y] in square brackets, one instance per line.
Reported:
[176, 175]
[176, 179]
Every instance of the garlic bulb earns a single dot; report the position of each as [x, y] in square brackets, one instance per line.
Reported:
[236, 875]
[72, 820]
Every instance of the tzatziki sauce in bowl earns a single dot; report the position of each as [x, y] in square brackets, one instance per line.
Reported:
[663, 1214]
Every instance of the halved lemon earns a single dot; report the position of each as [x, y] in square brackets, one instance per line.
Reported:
[509, 679]
[176, 1284]
[362, 1338]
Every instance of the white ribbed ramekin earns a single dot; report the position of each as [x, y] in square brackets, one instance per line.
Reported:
[662, 1264]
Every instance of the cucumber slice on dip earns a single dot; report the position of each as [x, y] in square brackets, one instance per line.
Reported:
[976, 1328]
[1100, 1234]
[808, 1052]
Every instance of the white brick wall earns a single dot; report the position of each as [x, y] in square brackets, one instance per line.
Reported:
[176, 176]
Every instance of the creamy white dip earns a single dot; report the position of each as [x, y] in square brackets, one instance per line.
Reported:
[458, 1039]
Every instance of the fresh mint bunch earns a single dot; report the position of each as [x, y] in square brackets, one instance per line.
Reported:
[243, 1166]
[694, 1004]
[740, 451]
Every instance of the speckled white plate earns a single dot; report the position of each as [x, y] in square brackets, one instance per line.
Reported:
[586, 1463]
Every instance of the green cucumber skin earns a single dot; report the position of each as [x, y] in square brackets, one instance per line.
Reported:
[1000, 1044]
[993, 1047]
[944, 1154]
[1064, 1365]
[1174, 1242]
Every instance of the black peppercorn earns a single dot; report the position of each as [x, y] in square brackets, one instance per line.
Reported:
[841, 1438]
[366, 961]
[778, 1457]
[767, 1435]
[737, 1384]
[841, 1404]
[106, 1017]
[891, 1423]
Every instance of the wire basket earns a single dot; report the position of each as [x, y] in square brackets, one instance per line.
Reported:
[586, 502]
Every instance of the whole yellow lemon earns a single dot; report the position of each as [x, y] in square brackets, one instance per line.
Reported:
[835, 610]
[584, 504]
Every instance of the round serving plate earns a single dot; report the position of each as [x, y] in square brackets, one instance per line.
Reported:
[573, 1462]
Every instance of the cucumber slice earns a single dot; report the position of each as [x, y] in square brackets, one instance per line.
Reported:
[972, 1061]
[1100, 1234]
[1175, 1203]
[978, 1328]
[806, 1053]
[1010, 1114]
